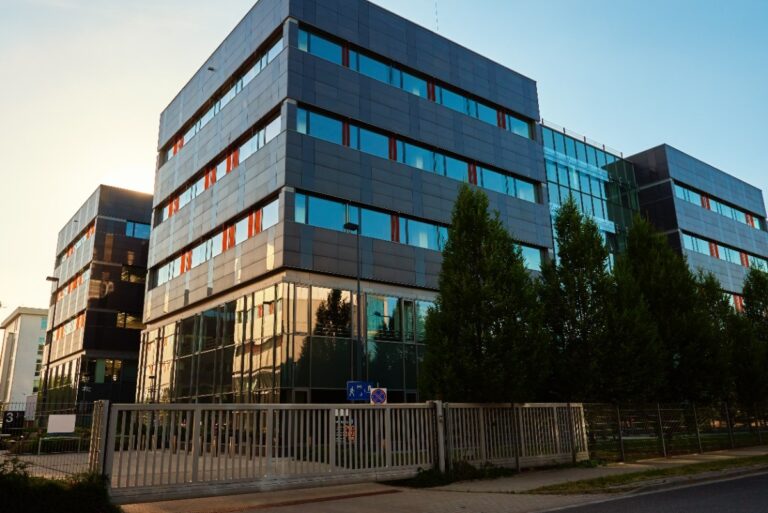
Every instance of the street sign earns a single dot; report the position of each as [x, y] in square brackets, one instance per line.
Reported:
[378, 396]
[358, 390]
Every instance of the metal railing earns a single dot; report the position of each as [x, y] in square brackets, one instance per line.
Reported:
[180, 448]
[526, 435]
[631, 432]
[24, 435]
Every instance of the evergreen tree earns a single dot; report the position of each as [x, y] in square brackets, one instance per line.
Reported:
[631, 366]
[669, 289]
[750, 341]
[574, 292]
[482, 334]
[755, 294]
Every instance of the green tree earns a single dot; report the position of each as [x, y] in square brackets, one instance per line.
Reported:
[574, 291]
[750, 343]
[482, 336]
[631, 366]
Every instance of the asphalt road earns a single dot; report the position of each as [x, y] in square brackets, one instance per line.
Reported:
[742, 495]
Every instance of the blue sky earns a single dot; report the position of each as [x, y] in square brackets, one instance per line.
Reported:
[84, 82]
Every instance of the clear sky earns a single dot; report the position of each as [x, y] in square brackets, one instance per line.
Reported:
[83, 83]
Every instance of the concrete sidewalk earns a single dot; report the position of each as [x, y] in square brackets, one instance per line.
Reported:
[487, 496]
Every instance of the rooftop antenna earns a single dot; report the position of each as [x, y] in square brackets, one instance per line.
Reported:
[437, 24]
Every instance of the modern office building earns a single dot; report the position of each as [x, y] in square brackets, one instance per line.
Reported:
[323, 142]
[21, 353]
[320, 142]
[716, 220]
[97, 296]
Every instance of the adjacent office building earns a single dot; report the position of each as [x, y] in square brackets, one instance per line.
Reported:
[716, 220]
[97, 295]
[315, 129]
[21, 354]
[324, 143]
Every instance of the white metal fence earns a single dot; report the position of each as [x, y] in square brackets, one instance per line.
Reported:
[188, 449]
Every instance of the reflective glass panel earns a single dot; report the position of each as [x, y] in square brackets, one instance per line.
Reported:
[326, 214]
[414, 85]
[325, 128]
[419, 157]
[373, 143]
[492, 180]
[376, 224]
[373, 68]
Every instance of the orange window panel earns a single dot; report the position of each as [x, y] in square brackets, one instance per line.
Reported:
[744, 259]
[254, 223]
[395, 228]
[713, 250]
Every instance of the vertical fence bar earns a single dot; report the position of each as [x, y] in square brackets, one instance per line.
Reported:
[696, 424]
[623, 456]
[730, 425]
[661, 430]
[196, 442]
[572, 432]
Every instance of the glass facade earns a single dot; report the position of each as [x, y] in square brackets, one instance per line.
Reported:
[288, 342]
[685, 193]
[602, 184]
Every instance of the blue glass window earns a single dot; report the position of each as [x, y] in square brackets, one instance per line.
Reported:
[414, 85]
[325, 128]
[320, 47]
[581, 151]
[570, 147]
[456, 169]
[519, 126]
[591, 155]
[418, 157]
[326, 214]
[548, 136]
[525, 191]
[453, 100]
[559, 142]
[373, 143]
[551, 171]
[373, 68]
[301, 121]
[421, 235]
[562, 174]
[300, 209]
[531, 257]
[492, 180]
[487, 114]
[375, 224]
[137, 230]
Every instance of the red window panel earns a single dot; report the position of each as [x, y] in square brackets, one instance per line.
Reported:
[744, 259]
[210, 178]
[392, 148]
[60, 295]
[186, 261]
[431, 91]
[228, 238]
[233, 160]
[705, 202]
[345, 133]
[260, 311]
[345, 55]
[395, 228]
[472, 173]
[713, 250]
[254, 223]
[501, 119]
[738, 303]
[70, 250]
[750, 220]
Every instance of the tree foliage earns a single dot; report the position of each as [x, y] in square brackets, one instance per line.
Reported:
[482, 335]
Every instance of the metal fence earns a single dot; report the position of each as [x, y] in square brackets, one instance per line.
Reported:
[24, 435]
[174, 450]
[624, 433]
[528, 435]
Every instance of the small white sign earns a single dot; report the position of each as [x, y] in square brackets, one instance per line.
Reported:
[61, 423]
[31, 407]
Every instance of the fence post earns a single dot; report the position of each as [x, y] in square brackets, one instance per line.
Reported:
[109, 452]
[270, 440]
[98, 436]
[197, 444]
[621, 436]
[440, 421]
[696, 423]
[388, 436]
[730, 425]
[758, 422]
[520, 436]
[483, 450]
[661, 431]
[572, 433]
[332, 439]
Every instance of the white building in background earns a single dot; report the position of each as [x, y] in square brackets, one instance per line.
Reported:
[21, 353]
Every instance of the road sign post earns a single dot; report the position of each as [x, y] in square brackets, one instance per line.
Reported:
[379, 396]
[359, 390]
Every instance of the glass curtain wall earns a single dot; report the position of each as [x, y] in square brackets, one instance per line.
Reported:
[288, 343]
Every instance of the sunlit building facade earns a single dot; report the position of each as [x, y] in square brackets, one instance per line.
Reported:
[320, 142]
[97, 295]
